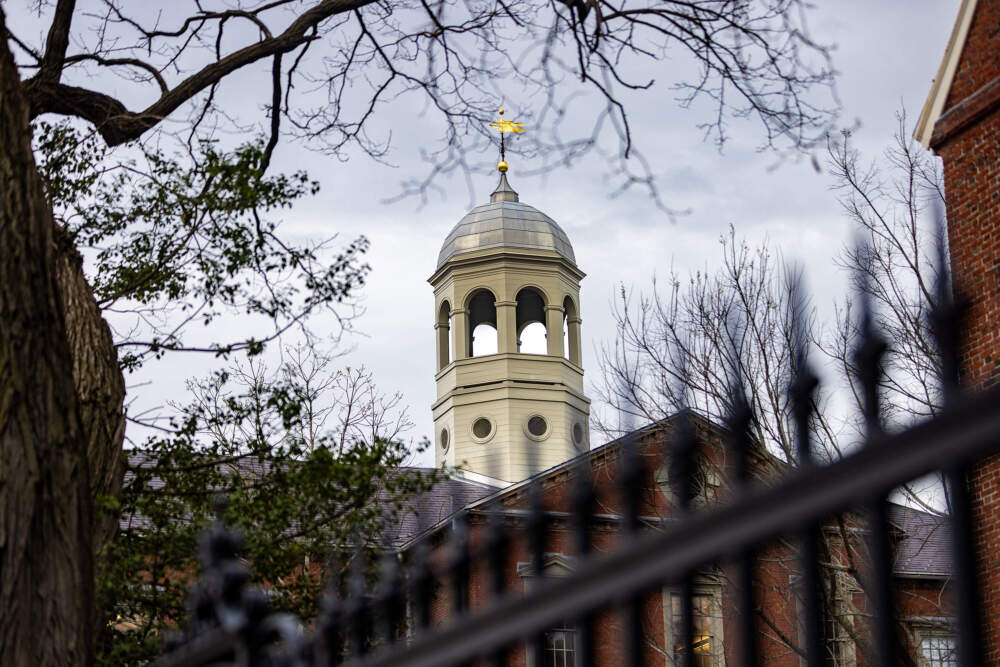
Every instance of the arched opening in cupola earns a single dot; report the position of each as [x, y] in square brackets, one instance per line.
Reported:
[571, 330]
[482, 323]
[531, 338]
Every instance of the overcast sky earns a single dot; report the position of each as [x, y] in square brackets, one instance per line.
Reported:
[887, 54]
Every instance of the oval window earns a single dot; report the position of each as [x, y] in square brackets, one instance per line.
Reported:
[445, 441]
[482, 428]
[578, 433]
[537, 426]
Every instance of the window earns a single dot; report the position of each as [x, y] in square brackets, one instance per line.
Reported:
[839, 649]
[706, 482]
[939, 651]
[560, 647]
[482, 314]
[837, 617]
[531, 322]
[536, 427]
[482, 429]
[703, 621]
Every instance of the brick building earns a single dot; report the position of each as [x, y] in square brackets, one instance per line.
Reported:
[507, 409]
[961, 123]
[922, 565]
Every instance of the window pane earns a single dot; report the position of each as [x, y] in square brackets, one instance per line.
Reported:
[939, 651]
[701, 610]
[560, 647]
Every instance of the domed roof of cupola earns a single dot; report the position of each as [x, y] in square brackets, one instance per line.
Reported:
[505, 223]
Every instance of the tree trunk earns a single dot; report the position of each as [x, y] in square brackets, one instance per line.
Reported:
[100, 387]
[46, 566]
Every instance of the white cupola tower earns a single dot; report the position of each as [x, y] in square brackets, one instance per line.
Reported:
[507, 273]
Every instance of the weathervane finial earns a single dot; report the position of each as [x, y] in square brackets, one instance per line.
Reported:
[504, 127]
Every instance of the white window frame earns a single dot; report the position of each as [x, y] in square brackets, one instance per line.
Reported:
[931, 628]
[844, 589]
[702, 586]
[554, 565]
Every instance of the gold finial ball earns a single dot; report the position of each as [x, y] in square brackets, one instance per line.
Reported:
[502, 167]
[501, 111]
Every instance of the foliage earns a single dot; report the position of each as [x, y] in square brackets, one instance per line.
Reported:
[679, 347]
[294, 500]
[181, 239]
[330, 69]
[896, 266]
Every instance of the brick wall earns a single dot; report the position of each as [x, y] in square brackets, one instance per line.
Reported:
[967, 137]
[778, 567]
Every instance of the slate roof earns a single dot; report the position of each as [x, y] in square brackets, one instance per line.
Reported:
[438, 503]
[924, 548]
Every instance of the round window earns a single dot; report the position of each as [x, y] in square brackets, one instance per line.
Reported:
[445, 440]
[578, 433]
[537, 426]
[482, 428]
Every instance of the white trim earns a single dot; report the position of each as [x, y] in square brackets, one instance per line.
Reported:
[703, 586]
[527, 429]
[476, 478]
[941, 86]
[489, 436]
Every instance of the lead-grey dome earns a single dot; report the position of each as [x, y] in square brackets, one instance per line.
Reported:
[505, 223]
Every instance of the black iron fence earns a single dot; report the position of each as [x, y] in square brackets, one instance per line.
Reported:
[391, 624]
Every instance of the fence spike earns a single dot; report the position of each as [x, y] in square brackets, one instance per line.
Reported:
[738, 423]
[801, 392]
[868, 364]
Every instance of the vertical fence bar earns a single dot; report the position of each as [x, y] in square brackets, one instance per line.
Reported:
[538, 526]
[459, 565]
[947, 317]
[583, 513]
[390, 599]
[682, 471]
[630, 484]
[868, 362]
[739, 444]
[801, 392]
[498, 549]
[421, 585]
[330, 647]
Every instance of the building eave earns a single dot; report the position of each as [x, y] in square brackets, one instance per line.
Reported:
[938, 96]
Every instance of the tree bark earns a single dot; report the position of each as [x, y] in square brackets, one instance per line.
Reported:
[46, 565]
[99, 385]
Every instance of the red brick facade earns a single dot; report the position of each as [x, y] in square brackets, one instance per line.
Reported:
[967, 137]
[778, 624]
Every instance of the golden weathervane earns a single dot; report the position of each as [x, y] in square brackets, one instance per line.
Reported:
[505, 127]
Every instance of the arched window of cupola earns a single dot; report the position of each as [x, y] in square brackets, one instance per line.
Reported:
[482, 323]
[531, 322]
[443, 326]
[571, 330]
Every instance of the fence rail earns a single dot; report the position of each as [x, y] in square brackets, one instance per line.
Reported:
[230, 622]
